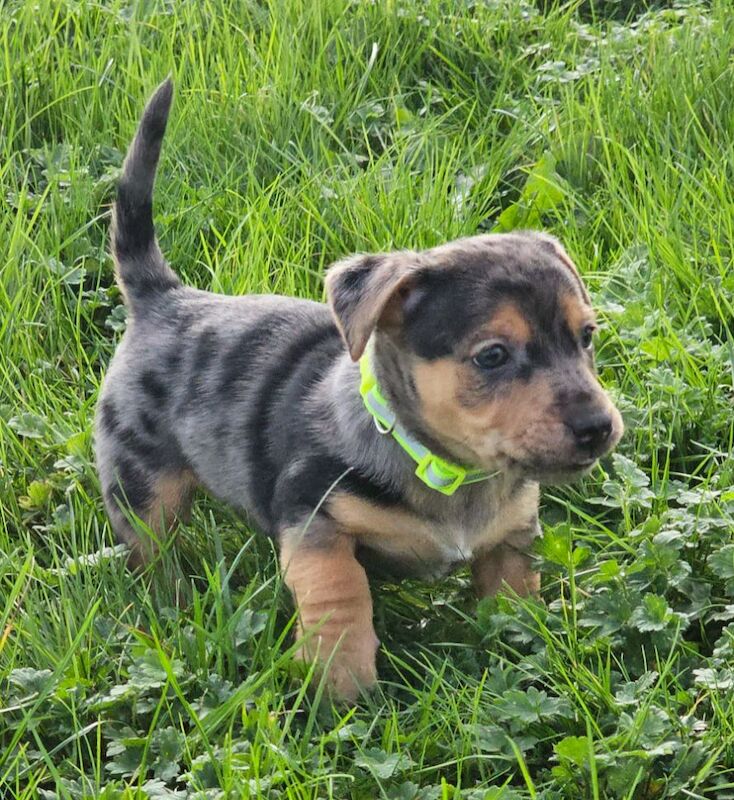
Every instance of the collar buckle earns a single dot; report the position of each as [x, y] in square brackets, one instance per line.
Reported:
[440, 475]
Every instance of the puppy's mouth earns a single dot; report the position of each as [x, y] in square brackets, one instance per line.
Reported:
[553, 473]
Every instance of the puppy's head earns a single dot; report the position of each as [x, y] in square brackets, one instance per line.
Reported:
[485, 346]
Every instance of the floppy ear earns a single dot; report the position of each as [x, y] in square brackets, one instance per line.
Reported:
[360, 290]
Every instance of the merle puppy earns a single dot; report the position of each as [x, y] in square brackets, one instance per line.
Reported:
[408, 422]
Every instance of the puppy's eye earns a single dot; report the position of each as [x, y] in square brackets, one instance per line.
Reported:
[492, 357]
[587, 336]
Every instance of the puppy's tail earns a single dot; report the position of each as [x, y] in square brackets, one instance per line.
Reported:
[142, 271]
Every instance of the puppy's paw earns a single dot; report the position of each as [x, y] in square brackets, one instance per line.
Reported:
[346, 665]
[347, 678]
[335, 612]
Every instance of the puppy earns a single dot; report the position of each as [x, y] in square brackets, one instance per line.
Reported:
[409, 422]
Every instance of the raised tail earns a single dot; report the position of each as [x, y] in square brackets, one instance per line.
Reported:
[141, 269]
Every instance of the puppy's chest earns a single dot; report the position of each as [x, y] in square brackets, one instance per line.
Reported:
[442, 535]
[461, 535]
[462, 538]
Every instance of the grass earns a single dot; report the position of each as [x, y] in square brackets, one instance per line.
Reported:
[303, 131]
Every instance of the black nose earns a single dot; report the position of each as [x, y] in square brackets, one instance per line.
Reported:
[591, 430]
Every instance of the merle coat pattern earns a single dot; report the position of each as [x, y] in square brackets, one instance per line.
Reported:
[482, 346]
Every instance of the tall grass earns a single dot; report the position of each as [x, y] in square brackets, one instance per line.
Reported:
[303, 131]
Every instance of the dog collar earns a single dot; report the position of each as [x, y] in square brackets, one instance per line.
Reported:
[436, 472]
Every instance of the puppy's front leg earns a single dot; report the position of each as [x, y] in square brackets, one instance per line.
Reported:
[504, 564]
[333, 599]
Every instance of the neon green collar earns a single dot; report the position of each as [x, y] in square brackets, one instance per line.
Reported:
[435, 472]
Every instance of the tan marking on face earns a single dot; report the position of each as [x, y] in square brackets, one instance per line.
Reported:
[521, 423]
[471, 425]
[578, 315]
[440, 387]
[524, 405]
[334, 604]
[533, 431]
[508, 322]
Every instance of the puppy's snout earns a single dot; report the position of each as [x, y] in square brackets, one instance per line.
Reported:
[591, 429]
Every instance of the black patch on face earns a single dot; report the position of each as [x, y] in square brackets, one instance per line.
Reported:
[537, 355]
[437, 313]
[447, 305]
[569, 341]
[238, 359]
[153, 387]
[132, 486]
[525, 371]
[552, 341]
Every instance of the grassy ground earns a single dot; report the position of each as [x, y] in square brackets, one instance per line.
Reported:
[302, 131]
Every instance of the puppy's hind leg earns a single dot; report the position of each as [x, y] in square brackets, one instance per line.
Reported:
[159, 501]
[140, 480]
